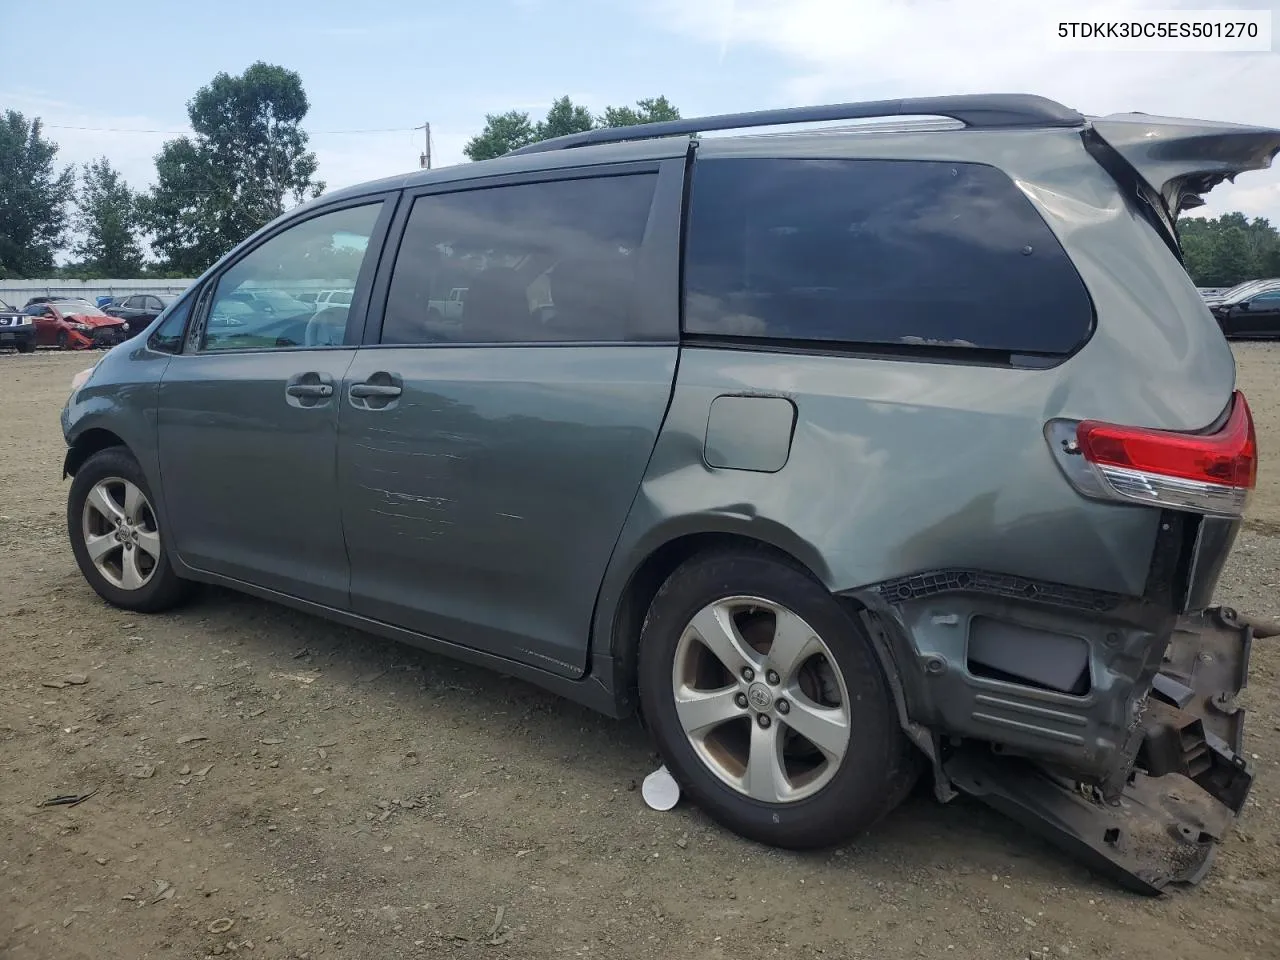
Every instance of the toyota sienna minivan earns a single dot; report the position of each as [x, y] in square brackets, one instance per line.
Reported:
[845, 456]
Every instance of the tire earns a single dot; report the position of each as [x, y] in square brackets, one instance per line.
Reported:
[62, 340]
[26, 346]
[878, 766]
[150, 584]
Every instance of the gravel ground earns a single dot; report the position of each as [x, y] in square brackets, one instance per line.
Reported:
[273, 786]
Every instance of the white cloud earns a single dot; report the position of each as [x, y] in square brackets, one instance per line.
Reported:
[873, 49]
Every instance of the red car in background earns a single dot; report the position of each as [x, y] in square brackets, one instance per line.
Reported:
[75, 325]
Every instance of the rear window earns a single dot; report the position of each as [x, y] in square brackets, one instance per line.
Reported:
[871, 252]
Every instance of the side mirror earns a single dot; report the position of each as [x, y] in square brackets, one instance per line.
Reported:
[1243, 305]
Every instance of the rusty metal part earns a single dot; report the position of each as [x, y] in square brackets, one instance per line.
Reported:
[1162, 830]
[1188, 785]
[1262, 627]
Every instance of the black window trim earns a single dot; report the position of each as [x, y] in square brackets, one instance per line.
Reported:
[657, 272]
[191, 294]
[906, 352]
[356, 315]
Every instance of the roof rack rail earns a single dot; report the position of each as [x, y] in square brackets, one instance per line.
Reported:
[974, 110]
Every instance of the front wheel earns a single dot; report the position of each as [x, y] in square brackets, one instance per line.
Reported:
[62, 340]
[116, 537]
[26, 346]
[768, 702]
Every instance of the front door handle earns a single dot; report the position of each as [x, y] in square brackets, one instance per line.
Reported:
[316, 390]
[310, 389]
[374, 390]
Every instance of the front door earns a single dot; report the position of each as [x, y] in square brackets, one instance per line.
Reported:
[488, 459]
[46, 324]
[249, 410]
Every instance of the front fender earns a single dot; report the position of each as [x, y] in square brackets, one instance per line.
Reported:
[119, 401]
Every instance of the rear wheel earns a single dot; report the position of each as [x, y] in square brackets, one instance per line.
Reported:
[769, 704]
[116, 538]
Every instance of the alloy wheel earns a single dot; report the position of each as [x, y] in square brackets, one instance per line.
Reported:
[120, 533]
[761, 699]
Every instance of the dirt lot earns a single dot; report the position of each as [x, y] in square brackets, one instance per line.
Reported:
[327, 794]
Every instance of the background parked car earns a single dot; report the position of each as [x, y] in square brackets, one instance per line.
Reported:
[16, 329]
[1256, 314]
[49, 299]
[75, 325]
[139, 309]
[1233, 294]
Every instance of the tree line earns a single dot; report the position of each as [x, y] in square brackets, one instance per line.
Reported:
[246, 161]
[504, 132]
[1229, 249]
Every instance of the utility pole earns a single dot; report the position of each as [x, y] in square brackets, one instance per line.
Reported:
[424, 160]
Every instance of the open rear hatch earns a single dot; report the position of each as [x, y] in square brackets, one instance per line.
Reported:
[1181, 160]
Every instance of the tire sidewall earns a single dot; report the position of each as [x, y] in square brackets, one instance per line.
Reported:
[858, 794]
[116, 462]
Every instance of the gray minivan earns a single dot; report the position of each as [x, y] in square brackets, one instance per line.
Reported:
[842, 455]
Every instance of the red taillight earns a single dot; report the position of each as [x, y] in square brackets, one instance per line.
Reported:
[1210, 473]
[1226, 458]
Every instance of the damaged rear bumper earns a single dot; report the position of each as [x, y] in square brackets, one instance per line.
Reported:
[1188, 783]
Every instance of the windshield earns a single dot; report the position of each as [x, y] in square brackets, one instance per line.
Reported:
[5, 306]
[78, 307]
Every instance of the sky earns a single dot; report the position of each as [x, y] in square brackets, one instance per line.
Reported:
[113, 79]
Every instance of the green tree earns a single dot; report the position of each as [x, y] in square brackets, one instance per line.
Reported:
[504, 132]
[1231, 259]
[107, 221]
[564, 117]
[33, 195]
[652, 110]
[247, 157]
[1226, 250]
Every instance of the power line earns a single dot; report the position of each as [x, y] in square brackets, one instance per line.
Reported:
[313, 133]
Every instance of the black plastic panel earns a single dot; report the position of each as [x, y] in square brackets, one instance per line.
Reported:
[936, 582]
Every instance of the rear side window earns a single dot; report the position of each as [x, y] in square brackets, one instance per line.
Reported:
[552, 261]
[877, 252]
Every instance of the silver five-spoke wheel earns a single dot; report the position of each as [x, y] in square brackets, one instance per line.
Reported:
[120, 533]
[760, 697]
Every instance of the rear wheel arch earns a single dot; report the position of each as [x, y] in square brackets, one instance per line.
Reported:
[651, 573]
